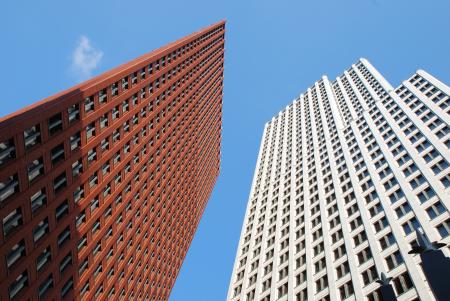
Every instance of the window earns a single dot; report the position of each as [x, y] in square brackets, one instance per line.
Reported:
[283, 290]
[339, 252]
[89, 104]
[43, 258]
[92, 156]
[95, 204]
[102, 98]
[55, 124]
[32, 136]
[125, 83]
[402, 283]
[115, 113]
[115, 89]
[360, 238]
[77, 168]
[369, 275]
[364, 255]
[40, 230]
[375, 296]
[394, 260]
[321, 283]
[38, 200]
[342, 270]
[301, 277]
[105, 144]
[60, 182]
[106, 168]
[9, 187]
[104, 121]
[90, 130]
[426, 194]
[16, 252]
[35, 169]
[387, 241]
[417, 181]
[78, 194]
[374, 210]
[20, 282]
[84, 289]
[440, 166]
[12, 221]
[67, 261]
[302, 295]
[57, 154]
[403, 209]
[7, 151]
[435, 210]
[346, 290]
[67, 287]
[396, 195]
[320, 265]
[410, 226]
[74, 113]
[64, 236]
[75, 141]
[93, 180]
[380, 224]
[444, 228]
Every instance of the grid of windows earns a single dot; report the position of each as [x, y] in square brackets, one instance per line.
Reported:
[345, 175]
[102, 188]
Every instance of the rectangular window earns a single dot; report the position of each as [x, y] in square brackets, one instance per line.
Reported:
[115, 89]
[74, 113]
[12, 221]
[63, 237]
[20, 283]
[67, 287]
[35, 169]
[60, 182]
[57, 154]
[55, 124]
[38, 200]
[43, 258]
[7, 151]
[67, 261]
[16, 252]
[75, 141]
[32, 136]
[89, 104]
[9, 187]
[90, 130]
[40, 230]
[403, 283]
[77, 168]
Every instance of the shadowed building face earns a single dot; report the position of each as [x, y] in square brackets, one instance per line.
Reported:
[102, 186]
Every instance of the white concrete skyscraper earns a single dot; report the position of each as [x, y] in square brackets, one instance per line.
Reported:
[345, 174]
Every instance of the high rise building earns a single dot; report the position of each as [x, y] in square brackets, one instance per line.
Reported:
[102, 186]
[345, 174]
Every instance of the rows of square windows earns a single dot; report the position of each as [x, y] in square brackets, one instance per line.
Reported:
[15, 218]
[32, 137]
[64, 236]
[36, 168]
[386, 174]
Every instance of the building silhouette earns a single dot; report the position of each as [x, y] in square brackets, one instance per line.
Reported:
[102, 186]
[345, 175]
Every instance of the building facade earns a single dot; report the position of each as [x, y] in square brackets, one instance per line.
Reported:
[345, 174]
[102, 186]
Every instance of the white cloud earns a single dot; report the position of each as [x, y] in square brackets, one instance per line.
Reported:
[85, 59]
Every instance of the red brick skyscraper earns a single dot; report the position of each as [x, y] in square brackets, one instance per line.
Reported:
[102, 186]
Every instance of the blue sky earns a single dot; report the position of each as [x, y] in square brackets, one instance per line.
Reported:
[274, 51]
